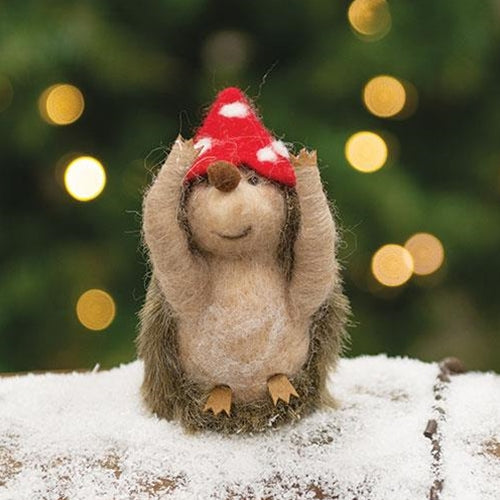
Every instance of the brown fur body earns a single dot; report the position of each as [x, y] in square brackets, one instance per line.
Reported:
[176, 383]
[248, 326]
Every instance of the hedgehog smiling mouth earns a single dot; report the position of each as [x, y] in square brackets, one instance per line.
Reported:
[236, 236]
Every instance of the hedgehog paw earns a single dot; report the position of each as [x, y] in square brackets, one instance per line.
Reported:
[280, 387]
[219, 400]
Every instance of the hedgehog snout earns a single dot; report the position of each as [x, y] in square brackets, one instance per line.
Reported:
[224, 176]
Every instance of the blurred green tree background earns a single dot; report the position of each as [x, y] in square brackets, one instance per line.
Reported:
[148, 71]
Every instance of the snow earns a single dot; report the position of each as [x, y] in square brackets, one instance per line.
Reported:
[82, 436]
[236, 109]
[471, 440]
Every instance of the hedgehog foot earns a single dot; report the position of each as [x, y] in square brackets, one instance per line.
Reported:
[280, 387]
[219, 400]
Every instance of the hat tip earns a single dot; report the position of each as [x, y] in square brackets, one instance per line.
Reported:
[230, 94]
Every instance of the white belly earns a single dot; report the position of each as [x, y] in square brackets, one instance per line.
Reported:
[241, 343]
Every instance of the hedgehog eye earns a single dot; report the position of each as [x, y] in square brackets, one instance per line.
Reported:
[201, 180]
[253, 180]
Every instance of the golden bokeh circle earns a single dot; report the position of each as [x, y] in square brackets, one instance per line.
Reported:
[427, 253]
[366, 151]
[392, 265]
[61, 104]
[384, 96]
[84, 178]
[370, 18]
[95, 309]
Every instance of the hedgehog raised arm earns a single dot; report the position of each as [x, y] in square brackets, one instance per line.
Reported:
[244, 313]
[180, 271]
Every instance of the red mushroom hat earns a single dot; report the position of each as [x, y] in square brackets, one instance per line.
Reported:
[232, 132]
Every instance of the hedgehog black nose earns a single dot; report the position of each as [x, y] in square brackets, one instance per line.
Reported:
[224, 176]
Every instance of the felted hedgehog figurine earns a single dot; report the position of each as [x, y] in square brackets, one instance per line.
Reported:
[244, 314]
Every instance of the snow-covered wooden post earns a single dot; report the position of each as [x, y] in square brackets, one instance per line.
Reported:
[87, 436]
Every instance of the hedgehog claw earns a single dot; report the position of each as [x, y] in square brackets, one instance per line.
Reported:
[304, 159]
[219, 400]
[280, 387]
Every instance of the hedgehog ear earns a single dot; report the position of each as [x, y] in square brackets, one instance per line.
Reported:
[304, 159]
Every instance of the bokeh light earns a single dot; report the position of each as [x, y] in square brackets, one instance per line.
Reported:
[6, 92]
[95, 309]
[384, 96]
[388, 97]
[427, 253]
[392, 265]
[84, 178]
[370, 19]
[61, 104]
[366, 151]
